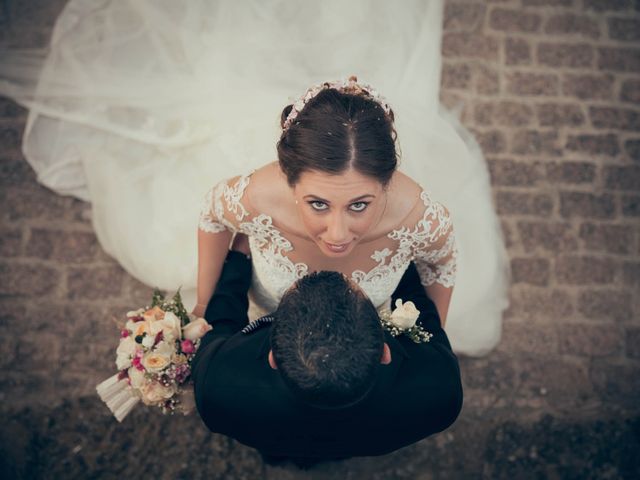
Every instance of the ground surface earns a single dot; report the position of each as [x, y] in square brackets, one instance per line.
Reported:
[550, 88]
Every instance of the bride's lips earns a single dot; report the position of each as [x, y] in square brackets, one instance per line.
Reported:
[337, 248]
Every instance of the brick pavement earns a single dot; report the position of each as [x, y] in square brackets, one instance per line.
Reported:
[550, 88]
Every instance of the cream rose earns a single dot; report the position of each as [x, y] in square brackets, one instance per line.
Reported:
[154, 362]
[405, 314]
[155, 392]
[196, 329]
[141, 328]
[155, 313]
[135, 313]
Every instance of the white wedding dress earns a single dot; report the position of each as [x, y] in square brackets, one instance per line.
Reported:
[140, 106]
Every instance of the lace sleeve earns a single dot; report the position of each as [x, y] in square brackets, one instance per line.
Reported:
[223, 208]
[435, 252]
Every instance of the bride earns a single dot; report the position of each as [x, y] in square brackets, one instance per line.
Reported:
[140, 107]
[333, 202]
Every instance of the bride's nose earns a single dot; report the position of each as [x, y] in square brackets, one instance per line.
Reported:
[337, 230]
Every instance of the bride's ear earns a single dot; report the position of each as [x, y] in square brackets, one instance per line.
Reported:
[272, 361]
[386, 355]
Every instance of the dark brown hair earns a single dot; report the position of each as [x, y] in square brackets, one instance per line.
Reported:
[327, 341]
[337, 131]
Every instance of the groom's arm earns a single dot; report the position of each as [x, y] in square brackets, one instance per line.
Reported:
[226, 311]
[444, 403]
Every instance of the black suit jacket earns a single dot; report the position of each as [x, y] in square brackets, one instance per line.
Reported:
[238, 394]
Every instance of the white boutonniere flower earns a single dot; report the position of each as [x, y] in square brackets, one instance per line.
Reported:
[403, 321]
[405, 314]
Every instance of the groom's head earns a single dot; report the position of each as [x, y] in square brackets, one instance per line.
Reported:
[327, 341]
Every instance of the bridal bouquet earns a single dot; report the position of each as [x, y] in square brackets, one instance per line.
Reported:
[153, 358]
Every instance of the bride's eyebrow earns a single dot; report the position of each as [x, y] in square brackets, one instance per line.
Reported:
[353, 200]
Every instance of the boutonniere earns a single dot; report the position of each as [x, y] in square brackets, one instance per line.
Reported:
[403, 321]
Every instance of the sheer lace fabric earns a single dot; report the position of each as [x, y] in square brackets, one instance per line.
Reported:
[430, 243]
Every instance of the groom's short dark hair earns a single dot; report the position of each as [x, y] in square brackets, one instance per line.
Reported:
[327, 341]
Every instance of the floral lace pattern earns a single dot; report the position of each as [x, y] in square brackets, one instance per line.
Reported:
[273, 271]
[232, 196]
[442, 273]
[418, 244]
[430, 244]
[212, 217]
[208, 219]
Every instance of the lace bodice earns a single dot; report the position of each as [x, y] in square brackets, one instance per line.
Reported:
[429, 242]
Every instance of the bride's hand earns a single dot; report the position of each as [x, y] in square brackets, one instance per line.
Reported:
[198, 310]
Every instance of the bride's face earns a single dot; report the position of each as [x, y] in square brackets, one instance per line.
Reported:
[337, 211]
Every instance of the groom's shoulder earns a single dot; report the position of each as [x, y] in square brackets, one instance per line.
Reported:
[243, 355]
[241, 343]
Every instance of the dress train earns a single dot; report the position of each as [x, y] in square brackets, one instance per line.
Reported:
[140, 106]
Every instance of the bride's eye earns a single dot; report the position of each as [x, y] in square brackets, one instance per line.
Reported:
[359, 206]
[318, 206]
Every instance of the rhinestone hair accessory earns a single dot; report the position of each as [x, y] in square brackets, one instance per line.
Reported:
[349, 85]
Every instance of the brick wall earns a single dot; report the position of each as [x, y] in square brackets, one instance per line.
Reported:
[550, 88]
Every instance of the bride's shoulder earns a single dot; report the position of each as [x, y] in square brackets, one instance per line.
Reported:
[407, 203]
[259, 187]
[268, 189]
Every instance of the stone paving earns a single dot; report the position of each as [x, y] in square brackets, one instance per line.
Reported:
[551, 90]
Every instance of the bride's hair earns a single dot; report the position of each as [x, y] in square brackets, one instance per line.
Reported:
[327, 341]
[336, 131]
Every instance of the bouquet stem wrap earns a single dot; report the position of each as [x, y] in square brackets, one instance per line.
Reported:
[118, 395]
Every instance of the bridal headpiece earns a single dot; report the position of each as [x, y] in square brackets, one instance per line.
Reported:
[350, 86]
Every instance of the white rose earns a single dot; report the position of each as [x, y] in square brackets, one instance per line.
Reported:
[137, 377]
[125, 351]
[170, 326]
[196, 329]
[165, 348]
[154, 392]
[148, 340]
[123, 361]
[405, 314]
[131, 325]
[127, 346]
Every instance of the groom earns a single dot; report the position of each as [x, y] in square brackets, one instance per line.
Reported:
[322, 379]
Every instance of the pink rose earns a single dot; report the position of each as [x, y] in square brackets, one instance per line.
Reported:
[187, 346]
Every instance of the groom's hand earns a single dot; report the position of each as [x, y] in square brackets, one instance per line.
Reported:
[241, 244]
